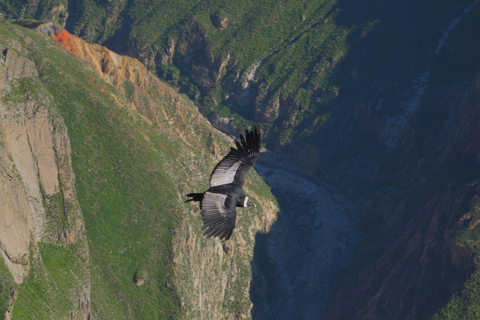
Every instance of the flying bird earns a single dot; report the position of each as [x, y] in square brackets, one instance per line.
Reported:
[218, 204]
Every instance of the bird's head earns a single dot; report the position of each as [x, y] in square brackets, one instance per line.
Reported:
[248, 203]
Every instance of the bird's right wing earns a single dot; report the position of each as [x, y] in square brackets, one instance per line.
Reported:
[218, 216]
[237, 163]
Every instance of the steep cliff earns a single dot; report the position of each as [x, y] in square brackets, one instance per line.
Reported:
[203, 290]
[355, 94]
[379, 99]
[283, 63]
[41, 216]
[136, 147]
[427, 220]
[434, 256]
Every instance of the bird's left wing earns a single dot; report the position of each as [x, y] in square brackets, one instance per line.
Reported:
[218, 215]
[236, 164]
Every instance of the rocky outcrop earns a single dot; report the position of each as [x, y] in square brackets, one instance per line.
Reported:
[425, 265]
[38, 198]
[224, 124]
[11, 302]
[128, 75]
[212, 279]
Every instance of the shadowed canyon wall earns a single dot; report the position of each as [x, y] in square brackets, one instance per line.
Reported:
[377, 101]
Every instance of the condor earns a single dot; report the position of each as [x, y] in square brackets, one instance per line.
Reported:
[218, 204]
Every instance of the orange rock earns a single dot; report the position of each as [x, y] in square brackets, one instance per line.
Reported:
[67, 41]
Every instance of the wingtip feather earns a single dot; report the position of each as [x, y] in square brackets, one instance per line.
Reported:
[258, 138]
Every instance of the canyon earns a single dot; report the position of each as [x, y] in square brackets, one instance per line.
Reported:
[371, 160]
[53, 218]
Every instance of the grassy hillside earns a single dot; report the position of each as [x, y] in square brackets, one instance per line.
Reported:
[6, 282]
[131, 175]
[355, 89]
[288, 64]
[129, 202]
[307, 53]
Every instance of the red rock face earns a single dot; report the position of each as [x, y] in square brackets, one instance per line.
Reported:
[127, 75]
[66, 40]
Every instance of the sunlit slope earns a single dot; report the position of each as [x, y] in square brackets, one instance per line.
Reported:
[137, 148]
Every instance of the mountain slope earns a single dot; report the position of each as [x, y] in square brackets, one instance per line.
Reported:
[432, 224]
[377, 98]
[41, 216]
[136, 148]
[355, 95]
[281, 63]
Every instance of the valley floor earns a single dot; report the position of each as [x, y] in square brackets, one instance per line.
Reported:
[294, 264]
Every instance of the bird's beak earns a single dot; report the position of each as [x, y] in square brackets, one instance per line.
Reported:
[251, 204]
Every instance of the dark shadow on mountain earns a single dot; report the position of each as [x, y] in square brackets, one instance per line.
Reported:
[294, 263]
[263, 288]
[388, 168]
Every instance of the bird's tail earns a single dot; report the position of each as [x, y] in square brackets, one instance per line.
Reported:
[195, 197]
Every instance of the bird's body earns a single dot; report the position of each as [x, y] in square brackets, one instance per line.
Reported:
[218, 204]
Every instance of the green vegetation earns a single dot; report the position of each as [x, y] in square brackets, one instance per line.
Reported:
[129, 176]
[306, 51]
[47, 292]
[303, 49]
[128, 199]
[25, 10]
[298, 44]
[465, 305]
[128, 87]
[6, 282]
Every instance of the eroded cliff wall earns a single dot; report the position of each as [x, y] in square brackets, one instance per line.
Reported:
[136, 147]
[428, 218]
[38, 200]
[212, 284]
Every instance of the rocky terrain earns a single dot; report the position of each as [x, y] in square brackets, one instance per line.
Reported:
[54, 221]
[38, 198]
[370, 112]
[295, 263]
[206, 298]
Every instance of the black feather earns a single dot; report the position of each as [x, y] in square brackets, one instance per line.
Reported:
[218, 203]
